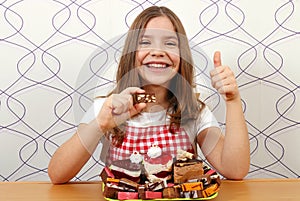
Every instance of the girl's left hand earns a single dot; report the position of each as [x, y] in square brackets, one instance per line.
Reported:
[223, 79]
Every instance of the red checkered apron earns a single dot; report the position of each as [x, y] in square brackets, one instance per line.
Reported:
[141, 138]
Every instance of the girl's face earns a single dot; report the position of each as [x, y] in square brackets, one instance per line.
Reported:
[157, 55]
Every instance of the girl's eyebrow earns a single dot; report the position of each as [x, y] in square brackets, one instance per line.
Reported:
[172, 37]
[146, 36]
[165, 37]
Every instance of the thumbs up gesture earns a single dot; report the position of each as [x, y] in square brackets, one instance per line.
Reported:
[223, 79]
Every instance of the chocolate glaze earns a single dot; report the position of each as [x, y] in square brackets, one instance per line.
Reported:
[127, 164]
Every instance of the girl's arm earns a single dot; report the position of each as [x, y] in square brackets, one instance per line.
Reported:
[71, 156]
[229, 153]
[68, 159]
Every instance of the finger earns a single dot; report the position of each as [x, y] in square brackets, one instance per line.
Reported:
[220, 73]
[121, 103]
[216, 76]
[121, 118]
[217, 59]
[132, 90]
[138, 108]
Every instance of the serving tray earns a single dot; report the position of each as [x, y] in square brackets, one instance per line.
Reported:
[163, 199]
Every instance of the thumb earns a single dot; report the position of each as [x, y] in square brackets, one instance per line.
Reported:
[137, 108]
[217, 59]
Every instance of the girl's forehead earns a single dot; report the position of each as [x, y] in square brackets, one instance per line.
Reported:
[161, 22]
[157, 32]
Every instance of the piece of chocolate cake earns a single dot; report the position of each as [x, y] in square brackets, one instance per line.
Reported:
[143, 98]
[205, 179]
[111, 190]
[106, 173]
[141, 191]
[128, 184]
[156, 186]
[215, 179]
[171, 192]
[126, 169]
[187, 170]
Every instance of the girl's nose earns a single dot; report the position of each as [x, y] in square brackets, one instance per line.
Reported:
[157, 53]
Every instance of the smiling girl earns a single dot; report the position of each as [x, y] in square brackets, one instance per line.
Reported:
[156, 59]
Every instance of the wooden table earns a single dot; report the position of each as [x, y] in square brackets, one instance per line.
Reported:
[246, 190]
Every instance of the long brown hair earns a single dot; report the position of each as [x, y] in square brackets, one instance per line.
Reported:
[183, 102]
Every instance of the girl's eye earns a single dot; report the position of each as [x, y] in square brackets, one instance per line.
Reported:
[171, 44]
[144, 42]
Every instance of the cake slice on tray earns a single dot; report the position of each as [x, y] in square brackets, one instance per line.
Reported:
[158, 165]
[129, 168]
[187, 167]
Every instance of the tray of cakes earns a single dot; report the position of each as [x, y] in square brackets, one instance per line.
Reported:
[159, 176]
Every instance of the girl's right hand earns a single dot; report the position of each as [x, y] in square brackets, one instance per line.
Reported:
[118, 108]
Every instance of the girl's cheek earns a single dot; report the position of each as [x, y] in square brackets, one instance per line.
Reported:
[140, 56]
[175, 58]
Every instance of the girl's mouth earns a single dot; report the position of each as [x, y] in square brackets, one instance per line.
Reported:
[157, 65]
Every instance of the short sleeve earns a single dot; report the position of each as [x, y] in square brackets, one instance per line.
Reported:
[93, 111]
[206, 119]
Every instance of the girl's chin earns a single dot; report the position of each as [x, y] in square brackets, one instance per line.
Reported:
[161, 81]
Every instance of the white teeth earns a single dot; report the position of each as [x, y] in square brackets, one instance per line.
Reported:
[157, 65]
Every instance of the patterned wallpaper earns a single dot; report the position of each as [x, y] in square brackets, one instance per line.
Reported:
[56, 55]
